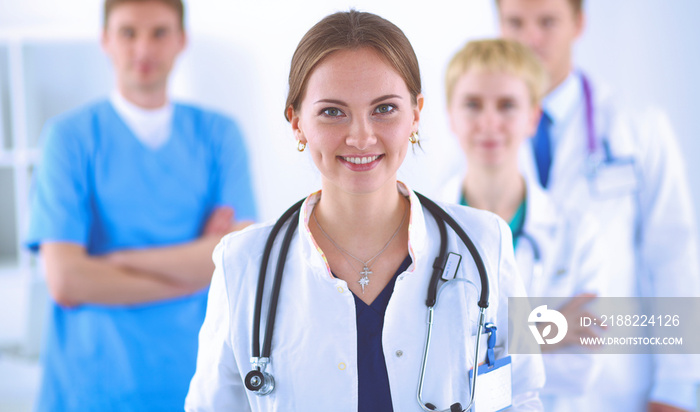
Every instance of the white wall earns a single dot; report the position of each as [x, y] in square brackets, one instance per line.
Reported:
[648, 50]
[239, 56]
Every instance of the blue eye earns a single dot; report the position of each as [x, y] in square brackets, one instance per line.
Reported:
[332, 112]
[385, 108]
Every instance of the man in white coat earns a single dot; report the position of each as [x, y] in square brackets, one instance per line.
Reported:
[626, 169]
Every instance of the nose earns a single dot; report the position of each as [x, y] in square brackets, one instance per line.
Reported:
[531, 36]
[361, 135]
[488, 121]
[143, 46]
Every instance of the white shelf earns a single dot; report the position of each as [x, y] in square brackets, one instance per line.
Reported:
[8, 266]
[19, 158]
[19, 383]
[5, 125]
[7, 159]
[39, 72]
[48, 34]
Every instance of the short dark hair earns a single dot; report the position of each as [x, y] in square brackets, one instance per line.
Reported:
[174, 4]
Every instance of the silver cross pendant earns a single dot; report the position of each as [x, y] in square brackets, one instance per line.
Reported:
[364, 280]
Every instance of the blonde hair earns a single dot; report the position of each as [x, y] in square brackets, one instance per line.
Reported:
[576, 5]
[351, 30]
[498, 55]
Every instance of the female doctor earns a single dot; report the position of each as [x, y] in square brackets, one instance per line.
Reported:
[351, 313]
[493, 92]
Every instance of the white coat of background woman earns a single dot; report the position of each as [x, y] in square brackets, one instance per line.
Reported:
[493, 89]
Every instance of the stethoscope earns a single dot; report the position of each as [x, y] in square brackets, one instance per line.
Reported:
[594, 161]
[262, 383]
[537, 267]
[599, 153]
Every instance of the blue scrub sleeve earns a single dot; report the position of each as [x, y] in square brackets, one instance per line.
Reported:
[234, 180]
[59, 197]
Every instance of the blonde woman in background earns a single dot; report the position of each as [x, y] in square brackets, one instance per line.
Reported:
[493, 92]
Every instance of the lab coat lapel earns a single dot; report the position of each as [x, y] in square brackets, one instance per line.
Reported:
[541, 225]
[405, 326]
[452, 190]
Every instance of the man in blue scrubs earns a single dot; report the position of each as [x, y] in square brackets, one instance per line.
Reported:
[131, 197]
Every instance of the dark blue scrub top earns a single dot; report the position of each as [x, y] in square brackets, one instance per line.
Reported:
[373, 382]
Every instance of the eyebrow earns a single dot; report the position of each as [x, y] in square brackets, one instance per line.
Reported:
[375, 101]
[479, 97]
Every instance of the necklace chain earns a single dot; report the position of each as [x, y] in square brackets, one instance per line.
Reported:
[366, 265]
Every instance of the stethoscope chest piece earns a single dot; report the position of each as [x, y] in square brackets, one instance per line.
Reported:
[261, 383]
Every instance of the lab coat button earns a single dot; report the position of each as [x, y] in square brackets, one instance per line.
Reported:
[399, 353]
[341, 366]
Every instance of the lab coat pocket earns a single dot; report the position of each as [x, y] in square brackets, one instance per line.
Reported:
[615, 178]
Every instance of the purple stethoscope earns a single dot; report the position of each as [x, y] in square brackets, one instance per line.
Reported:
[593, 162]
[620, 174]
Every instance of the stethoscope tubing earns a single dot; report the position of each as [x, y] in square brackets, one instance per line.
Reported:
[590, 121]
[439, 214]
[426, 351]
[260, 359]
[255, 342]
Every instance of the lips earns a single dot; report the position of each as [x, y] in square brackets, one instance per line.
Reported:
[361, 163]
[489, 144]
[360, 160]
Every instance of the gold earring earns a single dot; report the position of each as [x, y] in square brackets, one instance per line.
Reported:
[301, 145]
[413, 138]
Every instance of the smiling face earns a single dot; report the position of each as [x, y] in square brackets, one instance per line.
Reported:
[492, 113]
[356, 117]
[143, 39]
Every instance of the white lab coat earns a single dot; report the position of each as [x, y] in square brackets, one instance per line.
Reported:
[571, 261]
[652, 245]
[314, 347]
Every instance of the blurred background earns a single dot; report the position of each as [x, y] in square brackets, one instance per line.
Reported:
[237, 62]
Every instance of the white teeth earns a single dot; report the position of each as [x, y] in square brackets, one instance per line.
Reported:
[361, 160]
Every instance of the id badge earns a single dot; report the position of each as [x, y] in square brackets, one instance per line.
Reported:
[614, 178]
[494, 386]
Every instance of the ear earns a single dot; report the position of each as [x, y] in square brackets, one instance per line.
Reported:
[104, 41]
[294, 120]
[416, 111]
[183, 40]
[580, 24]
[451, 119]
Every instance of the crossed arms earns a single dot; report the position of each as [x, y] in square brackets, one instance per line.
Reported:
[135, 276]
